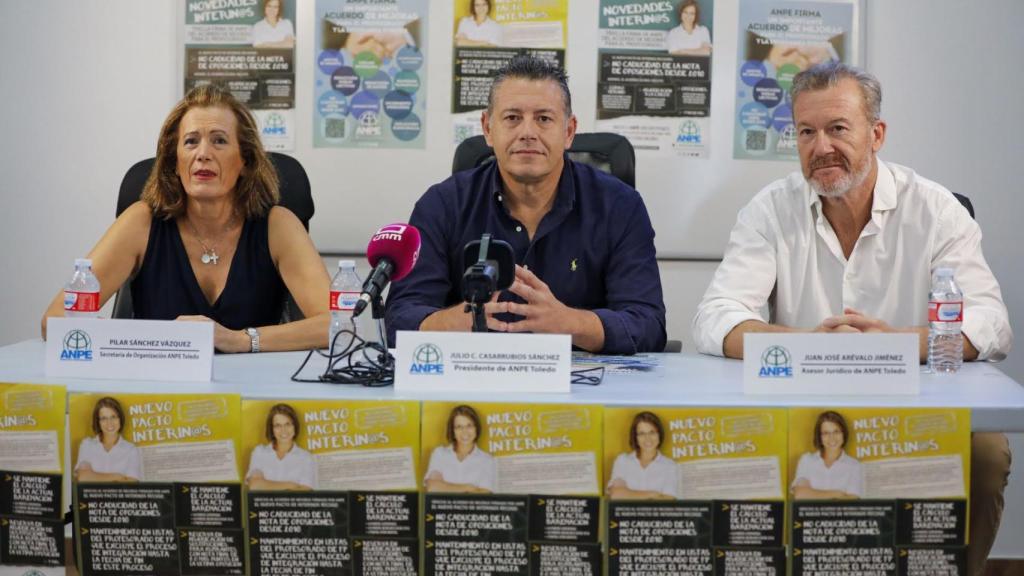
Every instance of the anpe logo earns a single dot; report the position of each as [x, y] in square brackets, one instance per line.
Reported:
[77, 346]
[274, 125]
[689, 133]
[775, 363]
[426, 359]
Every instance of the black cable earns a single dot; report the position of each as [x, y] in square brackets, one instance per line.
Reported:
[589, 376]
[360, 362]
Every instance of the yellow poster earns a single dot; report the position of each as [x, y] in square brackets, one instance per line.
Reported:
[879, 453]
[155, 437]
[331, 444]
[32, 428]
[512, 448]
[695, 453]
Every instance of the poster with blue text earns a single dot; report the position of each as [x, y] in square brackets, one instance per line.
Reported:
[247, 46]
[777, 40]
[370, 74]
[654, 74]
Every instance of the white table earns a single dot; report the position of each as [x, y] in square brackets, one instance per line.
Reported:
[996, 401]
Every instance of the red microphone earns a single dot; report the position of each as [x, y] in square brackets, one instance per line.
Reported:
[392, 251]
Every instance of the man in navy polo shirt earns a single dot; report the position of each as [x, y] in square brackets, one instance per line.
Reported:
[584, 246]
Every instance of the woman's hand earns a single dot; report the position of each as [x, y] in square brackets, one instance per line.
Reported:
[225, 340]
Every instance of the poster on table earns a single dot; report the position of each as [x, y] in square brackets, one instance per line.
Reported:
[511, 488]
[31, 479]
[879, 490]
[249, 48]
[654, 74]
[157, 484]
[489, 33]
[777, 40]
[332, 486]
[370, 74]
[696, 491]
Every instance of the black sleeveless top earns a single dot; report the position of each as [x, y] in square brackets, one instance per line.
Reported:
[166, 287]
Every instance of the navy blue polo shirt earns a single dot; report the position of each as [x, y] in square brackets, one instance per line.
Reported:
[594, 250]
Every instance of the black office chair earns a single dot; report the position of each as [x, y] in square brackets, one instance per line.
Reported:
[608, 152]
[295, 196]
[611, 153]
[966, 202]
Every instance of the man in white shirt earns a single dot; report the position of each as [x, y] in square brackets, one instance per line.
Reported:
[848, 244]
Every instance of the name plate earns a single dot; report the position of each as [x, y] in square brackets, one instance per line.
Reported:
[129, 349]
[846, 364]
[492, 362]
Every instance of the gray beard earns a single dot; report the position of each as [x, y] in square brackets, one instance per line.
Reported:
[840, 187]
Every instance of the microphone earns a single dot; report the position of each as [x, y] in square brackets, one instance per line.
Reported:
[392, 251]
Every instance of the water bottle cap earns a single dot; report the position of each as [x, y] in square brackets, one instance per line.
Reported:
[944, 271]
[347, 264]
[83, 262]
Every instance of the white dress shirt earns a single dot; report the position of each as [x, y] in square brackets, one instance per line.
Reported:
[478, 468]
[297, 465]
[844, 474]
[661, 474]
[123, 458]
[784, 254]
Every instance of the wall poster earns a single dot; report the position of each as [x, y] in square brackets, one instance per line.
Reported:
[777, 40]
[370, 74]
[249, 47]
[654, 74]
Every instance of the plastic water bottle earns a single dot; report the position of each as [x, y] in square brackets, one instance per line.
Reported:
[345, 290]
[945, 314]
[82, 292]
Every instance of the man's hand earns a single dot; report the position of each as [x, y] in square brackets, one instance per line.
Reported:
[543, 313]
[853, 321]
[456, 319]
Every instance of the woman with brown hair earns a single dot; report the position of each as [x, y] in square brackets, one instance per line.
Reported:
[207, 241]
[460, 465]
[644, 473]
[107, 456]
[828, 472]
[281, 464]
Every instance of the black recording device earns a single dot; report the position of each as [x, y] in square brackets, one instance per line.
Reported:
[491, 267]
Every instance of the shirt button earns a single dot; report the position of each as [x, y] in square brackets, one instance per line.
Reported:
[499, 198]
[519, 228]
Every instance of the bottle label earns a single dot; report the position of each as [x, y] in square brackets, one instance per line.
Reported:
[343, 301]
[81, 301]
[946, 311]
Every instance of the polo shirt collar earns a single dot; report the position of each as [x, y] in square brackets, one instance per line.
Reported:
[565, 195]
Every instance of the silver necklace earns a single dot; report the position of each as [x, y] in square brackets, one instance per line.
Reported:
[209, 252]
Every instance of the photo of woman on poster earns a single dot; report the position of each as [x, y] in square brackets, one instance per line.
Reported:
[107, 456]
[644, 473]
[460, 465]
[478, 29]
[689, 38]
[274, 31]
[828, 472]
[281, 464]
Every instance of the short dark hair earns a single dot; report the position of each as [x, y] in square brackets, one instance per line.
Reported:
[106, 402]
[284, 410]
[650, 418]
[531, 68]
[829, 74]
[462, 410]
[835, 418]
